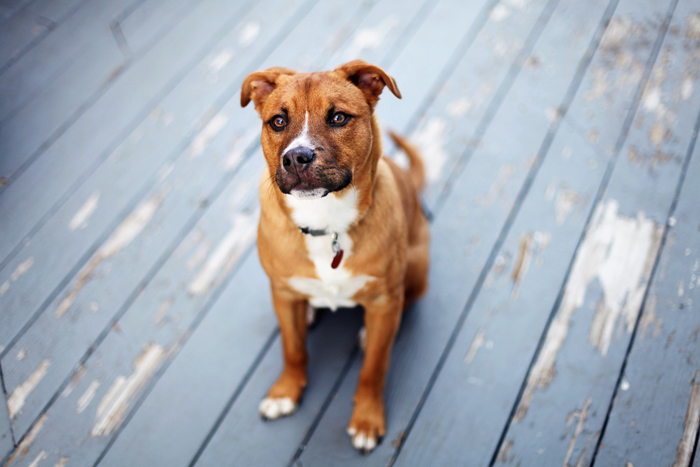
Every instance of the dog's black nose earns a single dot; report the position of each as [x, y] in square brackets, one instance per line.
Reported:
[299, 158]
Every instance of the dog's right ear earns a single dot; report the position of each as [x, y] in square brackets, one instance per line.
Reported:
[258, 85]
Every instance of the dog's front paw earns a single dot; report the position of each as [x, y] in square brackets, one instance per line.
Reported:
[366, 431]
[275, 407]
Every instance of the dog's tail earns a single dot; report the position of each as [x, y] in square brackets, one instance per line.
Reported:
[416, 170]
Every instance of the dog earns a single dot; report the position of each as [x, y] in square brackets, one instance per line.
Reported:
[340, 224]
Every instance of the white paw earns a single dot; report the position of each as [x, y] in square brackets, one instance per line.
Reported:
[275, 407]
[362, 338]
[362, 441]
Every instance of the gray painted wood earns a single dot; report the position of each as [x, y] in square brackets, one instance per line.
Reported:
[90, 140]
[35, 123]
[30, 26]
[577, 398]
[648, 418]
[6, 441]
[40, 65]
[129, 172]
[180, 192]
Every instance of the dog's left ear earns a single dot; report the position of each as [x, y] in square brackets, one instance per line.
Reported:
[258, 85]
[369, 78]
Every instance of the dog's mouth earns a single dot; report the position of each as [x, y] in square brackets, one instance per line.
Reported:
[314, 182]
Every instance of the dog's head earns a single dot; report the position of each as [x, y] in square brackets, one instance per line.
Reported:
[317, 127]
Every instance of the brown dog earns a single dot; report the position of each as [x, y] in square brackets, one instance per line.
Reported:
[340, 224]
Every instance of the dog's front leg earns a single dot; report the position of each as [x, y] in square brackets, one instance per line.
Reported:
[283, 397]
[367, 425]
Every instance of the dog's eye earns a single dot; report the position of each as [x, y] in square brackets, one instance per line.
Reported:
[339, 119]
[278, 123]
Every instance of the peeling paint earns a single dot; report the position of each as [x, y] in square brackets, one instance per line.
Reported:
[692, 415]
[370, 38]
[504, 452]
[39, 458]
[77, 376]
[87, 396]
[226, 254]
[431, 140]
[504, 175]
[582, 415]
[21, 354]
[649, 316]
[249, 33]
[220, 60]
[82, 216]
[23, 447]
[198, 256]
[16, 399]
[522, 263]
[113, 406]
[617, 251]
[566, 200]
[460, 107]
[4, 288]
[162, 312]
[478, 341]
[22, 268]
[499, 13]
[206, 134]
[124, 234]
[61, 462]
[242, 143]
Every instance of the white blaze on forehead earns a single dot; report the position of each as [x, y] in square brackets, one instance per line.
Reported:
[303, 140]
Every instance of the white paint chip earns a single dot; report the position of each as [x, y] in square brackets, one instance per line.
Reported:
[87, 396]
[39, 458]
[22, 268]
[567, 199]
[17, 398]
[499, 13]
[619, 253]
[61, 462]
[209, 132]
[370, 38]
[23, 447]
[82, 216]
[431, 140]
[113, 406]
[124, 234]
[249, 33]
[685, 447]
[624, 385]
[478, 341]
[226, 253]
[220, 60]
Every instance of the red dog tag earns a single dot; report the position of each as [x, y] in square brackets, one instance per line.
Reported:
[337, 259]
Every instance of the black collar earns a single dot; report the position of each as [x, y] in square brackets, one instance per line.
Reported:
[314, 232]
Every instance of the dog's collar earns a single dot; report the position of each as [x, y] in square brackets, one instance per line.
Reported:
[315, 232]
[335, 244]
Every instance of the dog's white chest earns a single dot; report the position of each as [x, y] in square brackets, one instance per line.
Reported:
[334, 288]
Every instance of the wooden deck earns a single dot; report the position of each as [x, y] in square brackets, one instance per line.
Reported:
[562, 323]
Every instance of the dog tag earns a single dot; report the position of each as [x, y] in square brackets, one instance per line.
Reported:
[337, 259]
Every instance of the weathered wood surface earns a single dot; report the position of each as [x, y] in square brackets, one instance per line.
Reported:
[560, 136]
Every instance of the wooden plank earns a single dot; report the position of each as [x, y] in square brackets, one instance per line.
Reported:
[39, 66]
[30, 26]
[174, 198]
[154, 143]
[30, 129]
[7, 443]
[590, 333]
[149, 22]
[653, 421]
